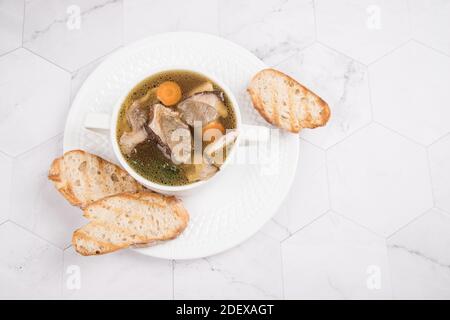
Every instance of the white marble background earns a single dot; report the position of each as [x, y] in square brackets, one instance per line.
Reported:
[369, 212]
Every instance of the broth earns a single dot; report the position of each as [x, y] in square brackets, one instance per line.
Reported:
[147, 159]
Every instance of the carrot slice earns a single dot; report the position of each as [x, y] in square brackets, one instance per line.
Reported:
[169, 93]
[213, 125]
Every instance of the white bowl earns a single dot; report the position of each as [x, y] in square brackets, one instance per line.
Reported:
[166, 189]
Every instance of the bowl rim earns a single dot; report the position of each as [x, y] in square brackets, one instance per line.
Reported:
[162, 187]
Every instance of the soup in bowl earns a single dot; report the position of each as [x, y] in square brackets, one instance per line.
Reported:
[175, 130]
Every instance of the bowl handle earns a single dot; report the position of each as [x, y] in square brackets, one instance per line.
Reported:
[99, 121]
[251, 134]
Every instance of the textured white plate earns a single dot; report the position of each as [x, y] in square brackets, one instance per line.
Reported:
[229, 209]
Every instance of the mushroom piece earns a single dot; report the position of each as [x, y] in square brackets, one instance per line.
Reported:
[205, 86]
[214, 152]
[136, 116]
[202, 171]
[196, 111]
[204, 106]
[207, 171]
[215, 99]
[171, 134]
[129, 140]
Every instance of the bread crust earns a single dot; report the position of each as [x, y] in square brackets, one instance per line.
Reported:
[295, 123]
[80, 235]
[102, 181]
[145, 198]
[58, 175]
[54, 174]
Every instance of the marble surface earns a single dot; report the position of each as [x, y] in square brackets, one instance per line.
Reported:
[73, 33]
[368, 215]
[143, 18]
[420, 259]
[363, 29]
[333, 258]
[379, 179]
[272, 29]
[342, 82]
[32, 90]
[11, 22]
[400, 100]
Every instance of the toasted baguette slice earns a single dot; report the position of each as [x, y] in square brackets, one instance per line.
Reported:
[83, 178]
[129, 219]
[285, 103]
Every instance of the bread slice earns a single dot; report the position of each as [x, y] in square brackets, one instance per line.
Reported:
[129, 219]
[82, 178]
[285, 103]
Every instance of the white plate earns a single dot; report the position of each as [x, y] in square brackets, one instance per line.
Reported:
[230, 208]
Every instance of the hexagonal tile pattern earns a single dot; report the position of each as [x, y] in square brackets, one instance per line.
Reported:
[363, 29]
[35, 202]
[275, 230]
[73, 33]
[439, 155]
[194, 15]
[308, 197]
[241, 273]
[11, 23]
[409, 90]
[335, 259]
[35, 101]
[430, 21]
[272, 29]
[340, 81]
[5, 186]
[30, 268]
[368, 216]
[108, 276]
[419, 258]
[379, 179]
